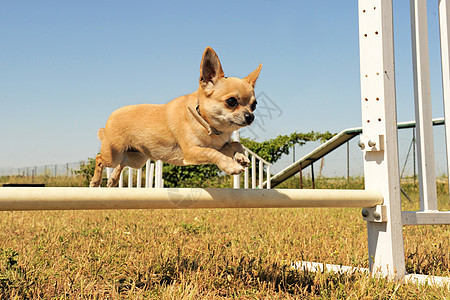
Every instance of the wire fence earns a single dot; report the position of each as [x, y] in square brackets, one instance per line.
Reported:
[55, 170]
[344, 161]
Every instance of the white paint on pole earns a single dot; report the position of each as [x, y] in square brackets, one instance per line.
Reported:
[444, 26]
[253, 172]
[57, 198]
[139, 178]
[236, 181]
[147, 173]
[422, 100]
[159, 167]
[130, 177]
[381, 168]
[236, 178]
[410, 278]
[261, 173]
[151, 176]
[157, 174]
[121, 178]
[425, 217]
[246, 177]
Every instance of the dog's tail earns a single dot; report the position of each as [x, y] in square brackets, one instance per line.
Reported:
[101, 133]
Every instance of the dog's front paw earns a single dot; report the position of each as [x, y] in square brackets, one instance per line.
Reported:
[232, 168]
[242, 159]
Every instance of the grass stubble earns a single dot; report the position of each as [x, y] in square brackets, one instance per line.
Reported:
[209, 254]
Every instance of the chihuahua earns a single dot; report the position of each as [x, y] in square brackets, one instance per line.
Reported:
[189, 130]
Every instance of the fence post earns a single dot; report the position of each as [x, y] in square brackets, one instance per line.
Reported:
[378, 103]
[236, 178]
[422, 100]
[139, 178]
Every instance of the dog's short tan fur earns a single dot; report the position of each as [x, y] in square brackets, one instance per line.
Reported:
[172, 133]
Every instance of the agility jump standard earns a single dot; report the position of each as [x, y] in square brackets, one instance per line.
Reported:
[381, 199]
[16, 199]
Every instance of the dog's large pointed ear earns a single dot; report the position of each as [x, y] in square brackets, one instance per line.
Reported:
[210, 68]
[253, 76]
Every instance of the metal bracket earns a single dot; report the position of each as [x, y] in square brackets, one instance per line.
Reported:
[371, 143]
[377, 214]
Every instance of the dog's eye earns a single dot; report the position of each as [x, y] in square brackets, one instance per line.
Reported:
[232, 102]
[253, 107]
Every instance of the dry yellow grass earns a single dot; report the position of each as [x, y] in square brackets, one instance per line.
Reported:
[209, 254]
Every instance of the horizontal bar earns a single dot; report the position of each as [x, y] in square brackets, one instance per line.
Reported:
[321, 267]
[425, 217]
[408, 278]
[427, 279]
[59, 198]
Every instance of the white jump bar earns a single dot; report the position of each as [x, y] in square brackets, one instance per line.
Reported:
[66, 198]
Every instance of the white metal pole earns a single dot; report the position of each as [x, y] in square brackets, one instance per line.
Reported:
[130, 177]
[246, 174]
[422, 100]
[268, 177]
[139, 178]
[151, 176]
[17, 199]
[121, 178]
[236, 178]
[236, 183]
[261, 173]
[444, 26]
[381, 168]
[161, 181]
[157, 180]
[253, 172]
[147, 174]
[158, 174]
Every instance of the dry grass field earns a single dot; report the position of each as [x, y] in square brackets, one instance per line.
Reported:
[208, 254]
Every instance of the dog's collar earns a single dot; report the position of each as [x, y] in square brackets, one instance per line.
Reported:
[196, 113]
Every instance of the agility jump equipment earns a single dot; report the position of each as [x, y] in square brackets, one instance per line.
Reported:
[381, 199]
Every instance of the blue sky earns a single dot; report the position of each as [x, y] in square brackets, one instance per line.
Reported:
[66, 65]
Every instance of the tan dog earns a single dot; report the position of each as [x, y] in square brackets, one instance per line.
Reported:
[192, 129]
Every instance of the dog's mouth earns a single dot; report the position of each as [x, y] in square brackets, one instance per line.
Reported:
[239, 124]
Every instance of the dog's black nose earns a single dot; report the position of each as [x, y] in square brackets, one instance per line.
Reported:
[249, 118]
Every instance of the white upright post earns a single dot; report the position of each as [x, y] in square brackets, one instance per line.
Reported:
[422, 100]
[253, 172]
[121, 178]
[151, 176]
[261, 173]
[379, 138]
[236, 178]
[139, 178]
[147, 174]
[246, 174]
[130, 177]
[157, 174]
[444, 26]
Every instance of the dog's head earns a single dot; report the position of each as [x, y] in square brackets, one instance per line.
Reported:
[227, 103]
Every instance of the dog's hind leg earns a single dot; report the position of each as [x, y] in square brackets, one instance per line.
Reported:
[108, 157]
[114, 179]
[133, 159]
[98, 172]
